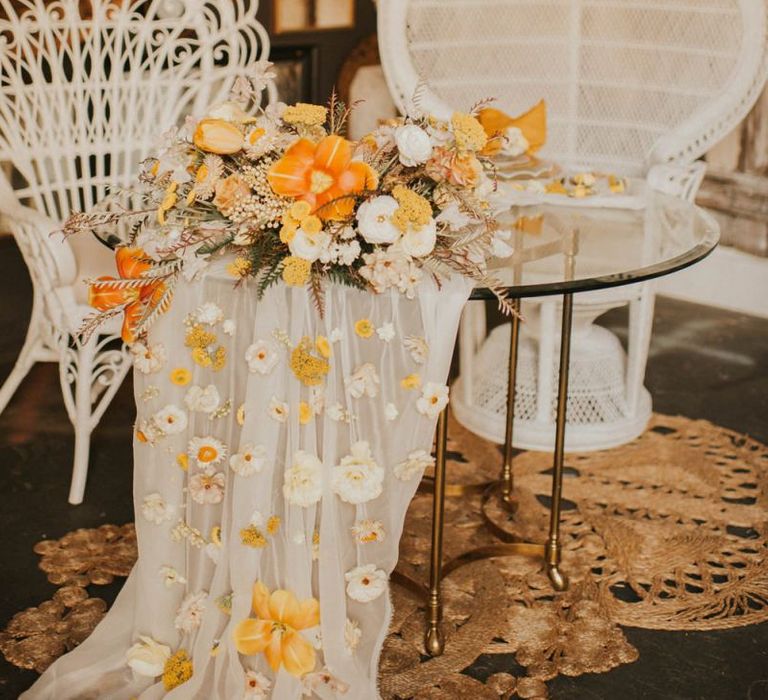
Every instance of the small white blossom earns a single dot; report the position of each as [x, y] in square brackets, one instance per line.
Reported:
[147, 657]
[303, 480]
[278, 410]
[386, 332]
[155, 509]
[261, 357]
[148, 359]
[190, 612]
[358, 478]
[434, 398]
[171, 419]
[363, 382]
[249, 460]
[391, 412]
[171, 576]
[209, 313]
[204, 400]
[413, 465]
[365, 583]
[352, 636]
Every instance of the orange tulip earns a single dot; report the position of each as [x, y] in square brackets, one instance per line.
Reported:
[218, 136]
[104, 295]
[280, 616]
[532, 123]
[322, 174]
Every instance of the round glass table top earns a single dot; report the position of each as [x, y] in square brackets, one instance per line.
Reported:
[562, 249]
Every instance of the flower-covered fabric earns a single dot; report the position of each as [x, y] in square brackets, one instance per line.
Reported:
[275, 459]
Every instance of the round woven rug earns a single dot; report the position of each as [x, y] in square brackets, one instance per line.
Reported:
[668, 532]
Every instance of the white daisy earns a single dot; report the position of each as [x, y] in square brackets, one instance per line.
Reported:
[209, 313]
[249, 460]
[367, 531]
[278, 410]
[303, 481]
[171, 419]
[206, 451]
[261, 357]
[365, 583]
[352, 635]
[171, 576]
[155, 509]
[204, 400]
[414, 465]
[363, 382]
[257, 686]
[358, 478]
[386, 332]
[190, 612]
[148, 358]
[434, 398]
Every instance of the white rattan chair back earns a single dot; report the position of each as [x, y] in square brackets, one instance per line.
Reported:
[628, 83]
[86, 87]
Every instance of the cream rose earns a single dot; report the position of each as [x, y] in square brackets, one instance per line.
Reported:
[374, 220]
[309, 246]
[413, 145]
[229, 191]
[421, 242]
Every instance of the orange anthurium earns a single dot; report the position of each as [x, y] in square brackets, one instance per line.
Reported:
[104, 295]
[532, 123]
[280, 616]
[321, 174]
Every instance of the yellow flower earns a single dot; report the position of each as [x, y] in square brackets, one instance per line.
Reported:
[178, 669]
[198, 337]
[215, 536]
[255, 134]
[309, 370]
[305, 413]
[617, 185]
[181, 376]
[364, 328]
[414, 210]
[556, 187]
[468, 131]
[305, 114]
[239, 267]
[251, 536]
[219, 358]
[201, 357]
[323, 346]
[273, 525]
[218, 136]
[288, 231]
[280, 617]
[169, 201]
[412, 381]
[182, 459]
[299, 210]
[311, 224]
[240, 415]
[296, 271]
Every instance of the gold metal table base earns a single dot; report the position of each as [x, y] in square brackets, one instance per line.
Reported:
[550, 550]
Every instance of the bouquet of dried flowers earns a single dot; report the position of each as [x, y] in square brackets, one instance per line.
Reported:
[288, 197]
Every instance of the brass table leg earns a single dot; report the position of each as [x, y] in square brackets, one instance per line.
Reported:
[507, 487]
[552, 549]
[434, 640]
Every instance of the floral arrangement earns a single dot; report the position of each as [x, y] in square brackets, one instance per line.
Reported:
[290, 198]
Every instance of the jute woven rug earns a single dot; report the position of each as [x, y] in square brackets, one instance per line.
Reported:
[668, 532]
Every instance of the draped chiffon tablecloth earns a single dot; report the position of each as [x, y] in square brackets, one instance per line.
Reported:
[259, 460]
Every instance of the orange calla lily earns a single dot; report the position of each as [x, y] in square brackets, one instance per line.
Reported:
[321, 174]
[532, 123]
[275, 631]
[104, 295]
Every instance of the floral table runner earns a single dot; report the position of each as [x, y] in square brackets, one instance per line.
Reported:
[276, 452]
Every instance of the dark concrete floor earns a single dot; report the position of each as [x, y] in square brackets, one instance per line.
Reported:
[704, 363]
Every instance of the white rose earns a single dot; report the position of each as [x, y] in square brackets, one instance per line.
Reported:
[374, 220]
[419, 243]
[308, 245]
[413, 144]
[147, 657]
[303, 480]
[228, 111]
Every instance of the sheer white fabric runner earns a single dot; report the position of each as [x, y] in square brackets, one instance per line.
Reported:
[353, 513]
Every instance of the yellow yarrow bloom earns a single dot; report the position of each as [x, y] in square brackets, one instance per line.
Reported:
[182, 459]
[414, 210]
[309, 370]
[251, 536]
[305, 413]
[178, 669]
[298, 210]
[468, 132]
[323, 346]
[296, 271]
[412, 381]
[305, 114]
[181, 376]
[239, 267]
[273, 525]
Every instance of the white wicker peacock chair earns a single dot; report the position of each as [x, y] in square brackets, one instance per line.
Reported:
[85, 89]
[641, 89]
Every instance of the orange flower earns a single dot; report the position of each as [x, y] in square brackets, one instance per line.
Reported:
[218, 136]
[280, 616]
[532, 123]
[320, 174]
[104, 295]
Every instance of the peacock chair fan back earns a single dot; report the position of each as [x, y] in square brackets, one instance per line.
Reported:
[628, 83]
[86, 87]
